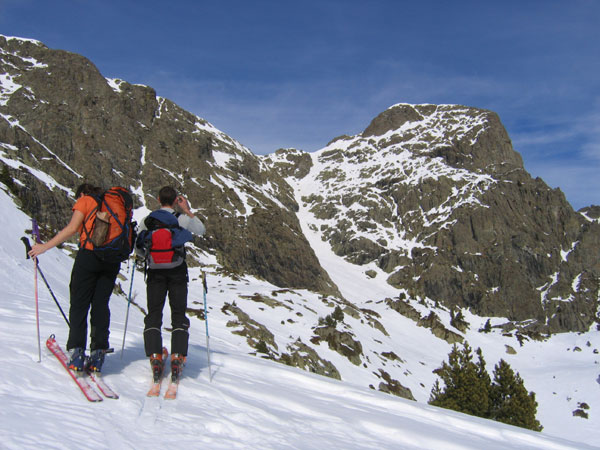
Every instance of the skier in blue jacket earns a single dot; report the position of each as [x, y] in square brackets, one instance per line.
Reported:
[167, 274]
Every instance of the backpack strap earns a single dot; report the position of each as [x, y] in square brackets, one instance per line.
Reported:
[88, 233]
[126, 202]
[152, 224]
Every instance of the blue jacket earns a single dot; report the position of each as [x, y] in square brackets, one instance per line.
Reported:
[180, 235]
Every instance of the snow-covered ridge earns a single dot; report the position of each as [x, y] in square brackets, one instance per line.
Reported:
[22, 40]
[9, 82]
[356, 167]
[427, 127]
[28, 61]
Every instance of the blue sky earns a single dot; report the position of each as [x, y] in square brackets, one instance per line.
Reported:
[278, 74]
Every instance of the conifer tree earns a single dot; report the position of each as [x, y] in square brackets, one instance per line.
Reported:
[511, 403]
[469, 389]
[467, 384]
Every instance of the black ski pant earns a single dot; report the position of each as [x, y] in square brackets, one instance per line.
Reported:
[160, 283]
[92, 282]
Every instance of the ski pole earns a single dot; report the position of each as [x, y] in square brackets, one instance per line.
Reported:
[37, 310]
[36, 235]
[205, 290]
[127, 314]
[39, 269]
[35, 289]
[35, 232]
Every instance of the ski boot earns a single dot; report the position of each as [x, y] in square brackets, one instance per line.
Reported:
[157, 364]
[77, 360]
[177, 363]
[95, 361]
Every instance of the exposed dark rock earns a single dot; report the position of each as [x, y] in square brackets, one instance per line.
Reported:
[392, 356]
[305, 357]
[438, 329]
[339, 341]
[271, 302]
[392, 119]
[391, 386]
[290, 162]
[404, 308]
[254, 332]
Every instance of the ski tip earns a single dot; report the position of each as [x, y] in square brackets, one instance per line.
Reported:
[154, 390]
[170, 395]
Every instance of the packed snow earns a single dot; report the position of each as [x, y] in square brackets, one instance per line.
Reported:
[248, 403]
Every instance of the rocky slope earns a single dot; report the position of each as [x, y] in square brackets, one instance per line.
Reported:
[62, 122]
[429, 210]
[436, 199]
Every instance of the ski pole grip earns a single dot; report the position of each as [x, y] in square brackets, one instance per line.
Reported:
[27, 246]
[35, 231]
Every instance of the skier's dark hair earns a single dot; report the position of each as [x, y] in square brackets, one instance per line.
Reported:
[87, 189]
[167, 196]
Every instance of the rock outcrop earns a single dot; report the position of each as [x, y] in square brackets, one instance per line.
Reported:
[62, 122]
[437, 198]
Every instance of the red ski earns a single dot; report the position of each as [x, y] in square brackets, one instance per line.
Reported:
[156, 385]
[171, 393]
[82, 383]
[154, 389]
[104, 388]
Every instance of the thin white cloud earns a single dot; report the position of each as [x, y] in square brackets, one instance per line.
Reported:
[580, 134]
[541, 137]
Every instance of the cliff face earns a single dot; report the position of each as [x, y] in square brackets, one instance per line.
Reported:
[62, 122]
[436, 197]
[430, 198]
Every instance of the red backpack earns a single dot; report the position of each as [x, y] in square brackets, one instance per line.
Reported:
[163, 241]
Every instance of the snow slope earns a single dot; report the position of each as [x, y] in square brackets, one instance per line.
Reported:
[249, 403]
[563, 370]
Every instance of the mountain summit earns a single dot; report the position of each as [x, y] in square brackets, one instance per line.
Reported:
[435, 199]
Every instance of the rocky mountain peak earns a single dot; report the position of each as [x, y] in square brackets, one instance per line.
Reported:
[463, 136]
[435, 199]
[395, 117]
